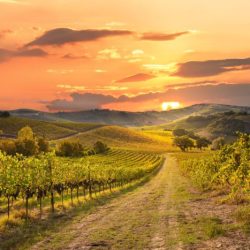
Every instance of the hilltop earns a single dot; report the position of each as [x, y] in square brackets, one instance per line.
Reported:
[212, 126]
[125, 118]
[51, 130]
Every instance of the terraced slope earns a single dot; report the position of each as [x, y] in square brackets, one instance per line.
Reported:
[121, 137]
[51, 130]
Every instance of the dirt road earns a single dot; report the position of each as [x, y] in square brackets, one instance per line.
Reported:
[158, 215]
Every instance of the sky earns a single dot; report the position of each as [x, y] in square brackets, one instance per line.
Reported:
[135, 55]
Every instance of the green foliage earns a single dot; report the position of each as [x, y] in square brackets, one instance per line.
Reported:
[100, 147]
[8, 146]
[70, 149]
[26, 133]
[48, 175]
[180, 132]
[227, 169]
[183, 142]
[242, 216]
[26, 144]
[202, 143]
[27, 147]
[52, 130]
[43, 145]
[218, 143]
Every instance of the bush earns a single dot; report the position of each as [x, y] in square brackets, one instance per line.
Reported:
[218, 143]
[228, 169]
[100, 147]
[183, 142]
[70, 149]
[27, 147]
[8, 146]
[4, 114]
[26, 144]
[43, 145]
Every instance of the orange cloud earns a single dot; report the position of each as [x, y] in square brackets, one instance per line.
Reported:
[137, 78]
[211, 67]
[152, 36]
[61, 36]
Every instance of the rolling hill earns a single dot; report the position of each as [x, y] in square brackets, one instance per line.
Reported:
[124, 118]
[126, 138]
[51, 130]
[211, 126]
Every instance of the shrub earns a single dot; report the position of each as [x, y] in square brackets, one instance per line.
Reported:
[43, 145]
[70, 149]
[100, 147]
[218, 143]
[8, 146]
[27, 147]
[228, 169]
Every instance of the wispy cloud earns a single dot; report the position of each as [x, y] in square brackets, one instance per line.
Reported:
[211, 67]
[136, 78]
[109, 54]
[152, 36]
[5, 55]
[61, 36]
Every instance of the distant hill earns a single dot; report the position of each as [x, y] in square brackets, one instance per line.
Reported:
[51, 130]
[125, 118]
[121, 137]
[211, 126]
[89, 133]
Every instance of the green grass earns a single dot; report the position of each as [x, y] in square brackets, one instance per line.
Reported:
[242, 216]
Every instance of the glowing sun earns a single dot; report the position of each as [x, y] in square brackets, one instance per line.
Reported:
[170, 105]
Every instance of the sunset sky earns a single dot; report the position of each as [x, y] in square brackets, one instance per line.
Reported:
[128, 55]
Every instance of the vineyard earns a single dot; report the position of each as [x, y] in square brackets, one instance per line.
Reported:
[227, 169]
[36, 182]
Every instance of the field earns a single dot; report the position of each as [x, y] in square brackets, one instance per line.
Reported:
[67, 181]
[143, 193]
[51, 130]
[120, 137]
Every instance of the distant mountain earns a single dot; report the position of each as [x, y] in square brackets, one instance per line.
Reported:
[125, 118]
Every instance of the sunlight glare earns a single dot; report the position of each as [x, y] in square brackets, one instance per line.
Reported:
[170, 105]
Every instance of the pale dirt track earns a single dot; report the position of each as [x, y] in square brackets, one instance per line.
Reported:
[145, 218]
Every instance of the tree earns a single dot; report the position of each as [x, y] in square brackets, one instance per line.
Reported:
[218, 143]
[183, 142]
[27, 147]
[70, 149]
[180, 132]
[202, 143]
[26, 143]
[100, 147]
[8, 146]
[4, 114]
[26, 133]
[43, 145]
